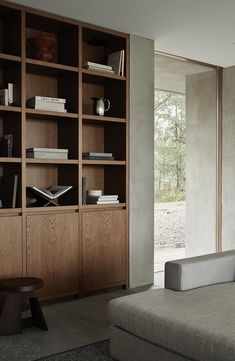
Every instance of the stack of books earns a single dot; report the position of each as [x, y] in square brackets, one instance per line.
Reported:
[47, 103]
[99, 67]
[97, 156]
[46, 153]
[117, 61]
[96, 197]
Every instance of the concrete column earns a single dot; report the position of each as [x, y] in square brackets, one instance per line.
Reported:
[201, 163]
[141, 161]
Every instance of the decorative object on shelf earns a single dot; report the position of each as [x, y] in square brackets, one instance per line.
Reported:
[99, 105]
[9, 190]
[95, 192]
[98, 66]
[6, 95]
[47, 103]
[48, 197]
[47, 153]
[97, 156]
[116, 60]
[8, 145]
[43, 48]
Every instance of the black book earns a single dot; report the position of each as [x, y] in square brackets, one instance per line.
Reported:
[9, 191]
[83, 190]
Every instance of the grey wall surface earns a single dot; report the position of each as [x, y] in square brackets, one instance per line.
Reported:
[141, 161]
[228, 160]
[201, 163]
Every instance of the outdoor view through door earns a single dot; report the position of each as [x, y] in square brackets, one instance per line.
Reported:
[185, 160]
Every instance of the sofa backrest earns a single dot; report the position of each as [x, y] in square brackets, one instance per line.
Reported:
[194, 272]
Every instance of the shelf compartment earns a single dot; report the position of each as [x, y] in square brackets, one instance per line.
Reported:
[63, 85]
[48, 175]
[10, 31]
[10, 72]
[10, 123]
[111, 179]
[65, 52]
[52, 132]
[107, 138]
[7, 173]
[101, 119]
[96, 45]
[114, 90]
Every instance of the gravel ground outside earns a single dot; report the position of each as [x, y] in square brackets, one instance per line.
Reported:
[169, 225]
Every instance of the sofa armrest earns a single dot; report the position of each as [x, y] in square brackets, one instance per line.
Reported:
[189, 273]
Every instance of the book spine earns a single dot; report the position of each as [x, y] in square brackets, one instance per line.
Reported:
[4, 97]
[97, 65]
[97, 154]
[84, 199]
[44, 155]
[10, 93]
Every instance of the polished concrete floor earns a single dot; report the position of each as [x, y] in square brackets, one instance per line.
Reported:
[71, 324]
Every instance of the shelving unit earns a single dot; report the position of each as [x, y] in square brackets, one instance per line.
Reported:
[78, 130]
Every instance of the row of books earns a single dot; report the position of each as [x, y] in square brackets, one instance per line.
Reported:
[47, 103]
[115, 64]
[47, 153]
[97, 156]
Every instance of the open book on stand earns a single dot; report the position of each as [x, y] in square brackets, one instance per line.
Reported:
[49, 194]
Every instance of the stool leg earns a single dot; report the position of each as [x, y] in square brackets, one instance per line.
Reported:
[37, 315]
[10, 319]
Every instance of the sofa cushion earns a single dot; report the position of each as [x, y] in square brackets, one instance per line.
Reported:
[199, 323]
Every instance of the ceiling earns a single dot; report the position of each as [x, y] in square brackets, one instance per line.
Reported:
[198, 29]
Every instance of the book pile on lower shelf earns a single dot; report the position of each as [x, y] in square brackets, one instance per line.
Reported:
[99, 67]
[47, 103]
[97, 156]
[6, 95]
[96, 197]
[47, 153]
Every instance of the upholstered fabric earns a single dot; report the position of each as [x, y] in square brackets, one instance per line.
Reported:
[127, 347]
[189, 273]
[199, 324]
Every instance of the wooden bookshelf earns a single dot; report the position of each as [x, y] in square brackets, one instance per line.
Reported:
[64, 232]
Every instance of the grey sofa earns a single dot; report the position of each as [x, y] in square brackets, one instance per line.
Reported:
[192, 319]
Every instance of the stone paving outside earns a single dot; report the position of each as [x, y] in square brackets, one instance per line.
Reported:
[169, 229]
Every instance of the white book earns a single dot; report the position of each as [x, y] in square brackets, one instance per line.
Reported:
[44, 105]
[115, 60]
[123, 62]
[50, 99]
[4, 97]
[44, 155]
[97, 154]
[99, 69]
[94, 192]
[107, 202]
[97, 65]
[58, 150]
[10, 93]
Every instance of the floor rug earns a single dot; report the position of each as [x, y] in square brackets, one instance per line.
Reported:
[95, 352]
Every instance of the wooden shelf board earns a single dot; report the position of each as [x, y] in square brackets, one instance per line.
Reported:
[5, 211]
[10, 160]
[10, 108]
[102, 74]
[50, 209]
[51, 161]
[50, 113]
[103, 162]
[9, 57]
[99, 118]
[51, 65]
[101, 206]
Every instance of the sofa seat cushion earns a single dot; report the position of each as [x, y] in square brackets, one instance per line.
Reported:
[199, 324]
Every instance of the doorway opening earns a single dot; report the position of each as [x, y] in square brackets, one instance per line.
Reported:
[185, 118]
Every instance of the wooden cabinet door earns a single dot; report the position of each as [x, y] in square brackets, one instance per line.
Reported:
[11, 247]
[52, 253]
[104, 249]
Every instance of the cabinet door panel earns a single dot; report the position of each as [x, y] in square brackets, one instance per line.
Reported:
[104, 249]
[10, 247]
[52, 252]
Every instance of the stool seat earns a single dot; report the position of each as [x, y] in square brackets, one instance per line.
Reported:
[21, 284]
[17, 290]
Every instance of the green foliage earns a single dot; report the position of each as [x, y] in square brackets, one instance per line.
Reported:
[169, 149]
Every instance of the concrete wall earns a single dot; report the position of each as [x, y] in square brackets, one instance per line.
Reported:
[201, 163]
[141, 161]
[228, 160]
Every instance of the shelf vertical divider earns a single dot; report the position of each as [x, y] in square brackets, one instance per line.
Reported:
[80, 114]
[23, 138]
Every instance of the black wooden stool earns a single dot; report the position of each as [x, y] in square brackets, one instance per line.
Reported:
[11, 322]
